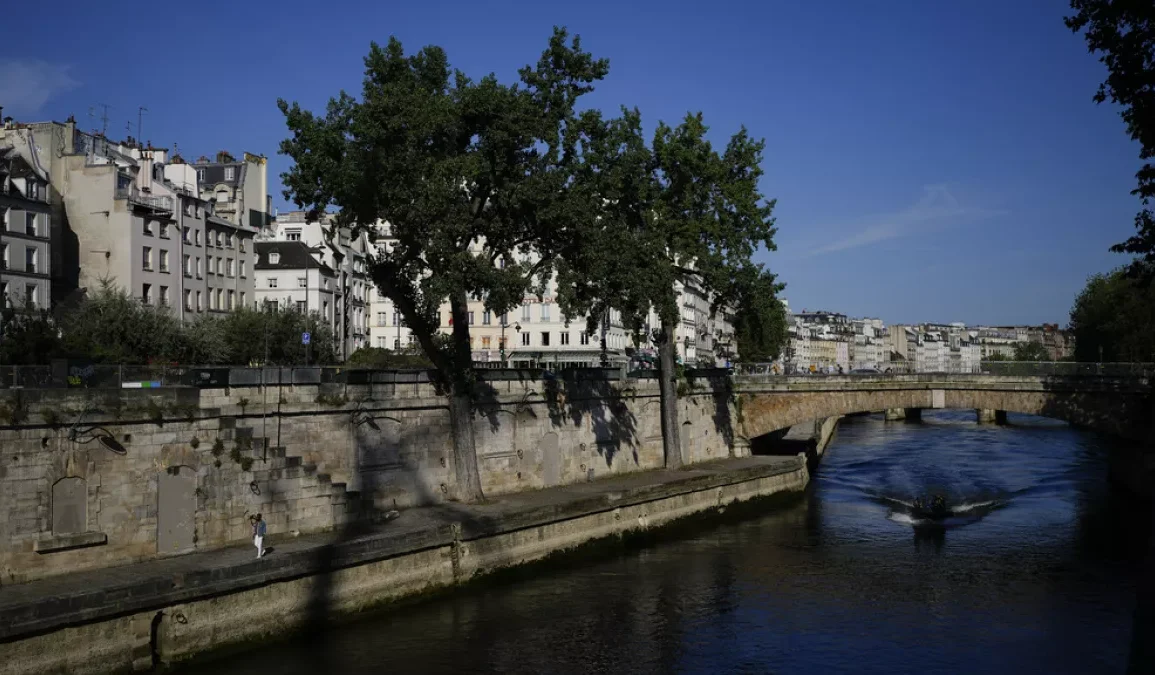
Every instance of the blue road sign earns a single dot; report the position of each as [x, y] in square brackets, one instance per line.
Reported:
[305, 337]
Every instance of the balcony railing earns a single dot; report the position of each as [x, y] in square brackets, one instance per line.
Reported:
[133, 195]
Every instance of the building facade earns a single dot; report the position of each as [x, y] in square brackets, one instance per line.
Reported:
[25, 223]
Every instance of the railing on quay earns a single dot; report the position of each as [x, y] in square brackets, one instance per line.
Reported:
[1005, 368]
[65, 375]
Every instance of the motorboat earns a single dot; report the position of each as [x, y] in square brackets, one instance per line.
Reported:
[934, 508]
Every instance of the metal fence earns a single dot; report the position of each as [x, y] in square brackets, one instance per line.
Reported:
[1005, 368]
[71, 376]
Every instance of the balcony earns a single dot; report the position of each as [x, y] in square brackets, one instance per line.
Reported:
[161, 204]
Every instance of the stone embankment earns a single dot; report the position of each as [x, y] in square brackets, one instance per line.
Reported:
[163, 611]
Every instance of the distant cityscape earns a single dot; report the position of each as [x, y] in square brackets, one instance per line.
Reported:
[828, 341]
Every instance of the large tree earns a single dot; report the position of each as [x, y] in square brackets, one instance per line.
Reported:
[760, 328]
[476, 179]
[1122, 32]
[1113, 319]
[675, 212]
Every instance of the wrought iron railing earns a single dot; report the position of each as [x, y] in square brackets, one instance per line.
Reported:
[160, 203]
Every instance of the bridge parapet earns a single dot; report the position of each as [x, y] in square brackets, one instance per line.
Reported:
[947, 381]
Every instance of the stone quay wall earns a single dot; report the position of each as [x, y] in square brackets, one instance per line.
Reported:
[187, 467]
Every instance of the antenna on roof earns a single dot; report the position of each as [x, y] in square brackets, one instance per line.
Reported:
[139, 116]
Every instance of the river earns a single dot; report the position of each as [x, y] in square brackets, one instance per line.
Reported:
[1035, 573]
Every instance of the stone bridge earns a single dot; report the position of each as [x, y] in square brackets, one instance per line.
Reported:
[1119, 405]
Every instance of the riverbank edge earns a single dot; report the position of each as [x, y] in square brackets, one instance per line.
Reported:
[196, 617]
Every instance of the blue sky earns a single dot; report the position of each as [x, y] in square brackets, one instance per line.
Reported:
[931, 161]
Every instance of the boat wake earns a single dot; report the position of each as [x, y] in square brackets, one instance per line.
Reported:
[949, 515]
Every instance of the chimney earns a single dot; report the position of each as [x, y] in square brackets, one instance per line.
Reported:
[224, 158]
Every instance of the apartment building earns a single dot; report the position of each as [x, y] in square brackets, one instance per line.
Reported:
[25, 221]
[126, 213]
[345, 299]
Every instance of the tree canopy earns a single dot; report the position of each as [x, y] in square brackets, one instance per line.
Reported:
[675, 214]
[1122, 32]
[1113, 319]
[477, 179]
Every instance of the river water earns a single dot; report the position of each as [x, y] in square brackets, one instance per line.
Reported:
[1034, 573]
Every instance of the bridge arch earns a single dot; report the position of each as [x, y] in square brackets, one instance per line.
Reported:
[1121, 409]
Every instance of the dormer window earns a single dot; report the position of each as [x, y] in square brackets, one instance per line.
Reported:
[274, 258]
[229, 172]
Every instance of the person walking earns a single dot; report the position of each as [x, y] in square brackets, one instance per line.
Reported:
[259, 534]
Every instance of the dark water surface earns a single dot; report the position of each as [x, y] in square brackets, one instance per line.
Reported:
[1035, 574]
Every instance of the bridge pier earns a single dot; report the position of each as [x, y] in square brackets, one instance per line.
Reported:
[991, 416]
[895, 414]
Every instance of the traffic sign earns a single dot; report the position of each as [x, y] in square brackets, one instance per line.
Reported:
[305, 337]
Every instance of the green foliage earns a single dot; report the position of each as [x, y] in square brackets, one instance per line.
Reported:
[110, 326]
[15, 410]
[760, 328]
[1122, 32]
[374, 357]
[51, 416]
[218, 448]
[155, 411]
[468, 173]
[1113, 319]
[1031, 351]
[242, 404]
[998, 356]
[195, 442]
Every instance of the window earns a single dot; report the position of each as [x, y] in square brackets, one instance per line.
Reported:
[148, 228]
[381, 318]
[325, 309]
[200, 305]
[188, 300]
[4, 261]
[146, 257]
[220, 239]
[229, 240]
[274, 258]
[525, 312]
[232, 300]
[4, 294]
[229, 172]
[221, 266]
[584, 338]
[564, 338]
[188, 268]
[164, 230]
[326, 283]
[30, 296]
[30, 260]
[229, 267]
[272, 282]
[242, 298]
[301, 306]
[545, 339]
[302, 282]
[184, 236]
[163, 260]
[525, 339]
[485, 342]
[220, 298]
[396, 344]
[199, 275]
[471, 318]
[146, 293]
[241, 244]
[545, 311]
[292, 235]
[197, 237]
[241, 264]
[188, 209]
[485, 317]
[30, 223]
[164, 296]
[396, 318]
[200, 175]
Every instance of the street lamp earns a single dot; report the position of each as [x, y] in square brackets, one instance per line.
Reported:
[504, 325]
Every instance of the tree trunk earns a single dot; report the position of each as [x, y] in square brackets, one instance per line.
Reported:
[668, 386]
[468, 484]
[467, 487]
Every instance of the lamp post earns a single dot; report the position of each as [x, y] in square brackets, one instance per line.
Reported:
[504, 325]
